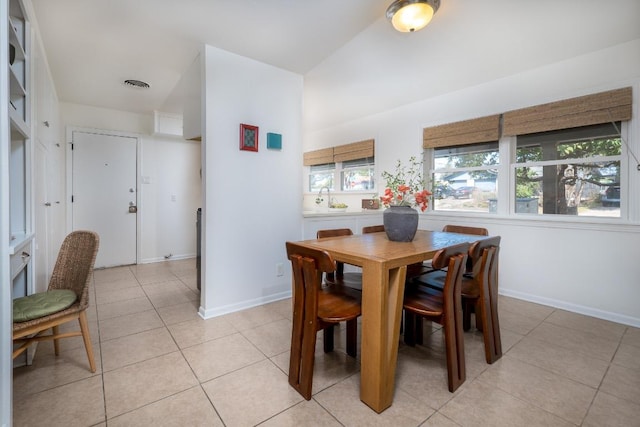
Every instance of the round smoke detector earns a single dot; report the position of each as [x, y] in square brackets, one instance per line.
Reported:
[137, 84]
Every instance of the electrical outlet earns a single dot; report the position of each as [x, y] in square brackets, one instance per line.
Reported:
[279, 269]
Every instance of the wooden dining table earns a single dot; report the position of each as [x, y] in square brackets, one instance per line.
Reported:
[384, 267]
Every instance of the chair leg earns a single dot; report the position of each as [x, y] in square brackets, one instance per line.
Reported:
[328, 339]
[409, 328]
[491, 331]
[477, 308]
[352, 337]
[55, 330]
[467, 307]
[419, 330]
[295, 358]
[454, 343]
[301, 361]
[86, 337]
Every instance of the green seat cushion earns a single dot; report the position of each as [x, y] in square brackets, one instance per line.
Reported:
[42, 304]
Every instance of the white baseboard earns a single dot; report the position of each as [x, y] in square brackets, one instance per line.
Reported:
[162, 259]
[574, 308]
[232, 308]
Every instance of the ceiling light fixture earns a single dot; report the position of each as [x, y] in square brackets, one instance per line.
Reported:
[408, 16]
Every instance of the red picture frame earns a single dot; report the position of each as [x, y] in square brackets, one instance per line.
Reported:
[248, 137]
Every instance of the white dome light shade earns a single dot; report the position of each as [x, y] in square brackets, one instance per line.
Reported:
[411, 15]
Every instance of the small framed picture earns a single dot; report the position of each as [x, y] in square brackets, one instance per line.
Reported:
[248, 137]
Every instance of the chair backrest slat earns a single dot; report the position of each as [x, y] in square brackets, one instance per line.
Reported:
[372, 229]
[334, 232]
[463, 229]
[477, 248]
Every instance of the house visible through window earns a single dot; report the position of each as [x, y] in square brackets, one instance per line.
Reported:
[465, 177]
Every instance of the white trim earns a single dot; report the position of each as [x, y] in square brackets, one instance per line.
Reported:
[6, 370]
[232, 308]
[574, 308]
[163, 259]
[532, 220]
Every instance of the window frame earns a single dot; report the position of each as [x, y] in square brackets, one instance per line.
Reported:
[622, 158]
[507, 146]
[338, 169]
[430, 159]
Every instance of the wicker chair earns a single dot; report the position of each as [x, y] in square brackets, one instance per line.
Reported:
[66, 298]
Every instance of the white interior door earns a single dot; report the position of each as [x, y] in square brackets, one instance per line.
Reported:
[104, 194]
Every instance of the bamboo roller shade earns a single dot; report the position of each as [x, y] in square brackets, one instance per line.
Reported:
[466, 132]
[341, 153]
[318, 157]
[603, 107]
[356, 150]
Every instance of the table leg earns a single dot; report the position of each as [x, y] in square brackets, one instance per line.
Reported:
[382, 294]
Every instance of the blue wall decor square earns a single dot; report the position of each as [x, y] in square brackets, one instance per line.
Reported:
[274, 141]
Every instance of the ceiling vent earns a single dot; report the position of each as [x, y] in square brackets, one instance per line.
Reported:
[137, 83]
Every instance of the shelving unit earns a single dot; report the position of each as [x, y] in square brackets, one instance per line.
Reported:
[20, 150]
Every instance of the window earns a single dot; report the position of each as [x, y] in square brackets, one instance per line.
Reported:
[464, 178]
[349, 166]
[321, 176]
[358, 175]
[569, 172]
[561, 158]
[353, 175]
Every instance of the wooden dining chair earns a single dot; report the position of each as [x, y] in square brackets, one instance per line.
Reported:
[413, 270]
[479, 293]
[443, 307]
[338, 277]
[461, 229]
[373, 229]
[65, 300]
[315, 308]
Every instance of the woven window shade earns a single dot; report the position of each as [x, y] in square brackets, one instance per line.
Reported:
[483, 129]
[356, 150]
[318, 157]
[604, 107]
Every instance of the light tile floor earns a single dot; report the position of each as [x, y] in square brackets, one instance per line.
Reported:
[160, 364]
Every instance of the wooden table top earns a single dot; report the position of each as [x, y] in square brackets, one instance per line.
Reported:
[357, 249]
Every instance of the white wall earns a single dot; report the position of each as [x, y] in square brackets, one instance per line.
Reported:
[590, 268]
[173, 168]
[170, 199]
[253, 200]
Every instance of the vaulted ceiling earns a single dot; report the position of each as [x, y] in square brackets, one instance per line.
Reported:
[353, 62]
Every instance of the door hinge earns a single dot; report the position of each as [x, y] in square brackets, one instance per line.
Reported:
[71, 199]
[71, 147]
